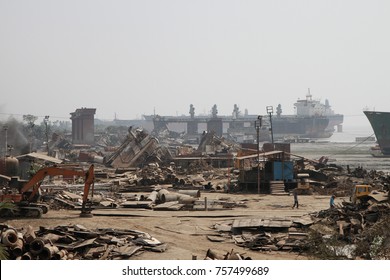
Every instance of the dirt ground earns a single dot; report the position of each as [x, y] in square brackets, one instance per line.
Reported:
[185, 232]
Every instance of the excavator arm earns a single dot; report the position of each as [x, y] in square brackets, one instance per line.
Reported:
[89, 183]
[35, 182]
[26, 202]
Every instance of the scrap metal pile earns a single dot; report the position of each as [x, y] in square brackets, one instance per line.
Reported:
[76, 242]
[352, 231]
[157, 199]
[266, 234]
[346, 232]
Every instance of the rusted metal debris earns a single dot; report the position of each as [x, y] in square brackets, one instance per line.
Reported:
[265, 234]
[232, 255]
[137, 149]
[160, 198]
[355, 228]
[76, 242]
[348, 231]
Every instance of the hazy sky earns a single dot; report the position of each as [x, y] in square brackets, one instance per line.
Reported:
[134, 57]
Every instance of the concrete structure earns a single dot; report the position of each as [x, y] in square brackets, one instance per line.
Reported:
[83, 126]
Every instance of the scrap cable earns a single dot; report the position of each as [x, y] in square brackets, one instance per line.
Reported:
[354, 146]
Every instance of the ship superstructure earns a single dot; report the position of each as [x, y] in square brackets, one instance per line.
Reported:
[310, 107]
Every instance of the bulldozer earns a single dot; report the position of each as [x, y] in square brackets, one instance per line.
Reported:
[363, 194]
[303, 184]
[24, 197]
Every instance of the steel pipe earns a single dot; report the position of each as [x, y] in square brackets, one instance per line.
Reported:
[17, 248]
[60, 255]
[193, 193]
[153, 196]
[48, 251]
[36, 246]
[186, 199]
[9, 237]
[161, 192]
[168, 197]
[27, 256]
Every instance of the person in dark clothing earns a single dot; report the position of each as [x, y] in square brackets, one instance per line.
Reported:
[295, 193]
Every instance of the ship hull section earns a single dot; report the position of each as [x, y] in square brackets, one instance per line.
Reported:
[308, 127]
[380, 123]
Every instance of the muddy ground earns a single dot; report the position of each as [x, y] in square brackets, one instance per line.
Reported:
[185, 232]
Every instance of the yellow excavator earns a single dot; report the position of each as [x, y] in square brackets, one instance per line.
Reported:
[25, 199]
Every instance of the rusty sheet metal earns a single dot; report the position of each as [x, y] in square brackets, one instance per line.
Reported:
[79, 244]
[257, 223]
[108, 243]
[305, 221]
[247, 223]
[126, 251]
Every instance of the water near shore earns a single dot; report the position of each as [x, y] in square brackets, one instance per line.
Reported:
[342, 149]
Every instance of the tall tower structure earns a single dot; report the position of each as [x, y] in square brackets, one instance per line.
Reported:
[83, 126]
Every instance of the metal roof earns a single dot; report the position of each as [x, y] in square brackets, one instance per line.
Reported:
[41, 157]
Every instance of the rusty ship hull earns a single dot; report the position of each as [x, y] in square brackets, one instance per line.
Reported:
[380, 123]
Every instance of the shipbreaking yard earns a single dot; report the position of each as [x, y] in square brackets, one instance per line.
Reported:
[131, 224]
[154, 197]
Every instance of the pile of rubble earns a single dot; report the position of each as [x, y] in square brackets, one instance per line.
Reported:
[352, 231]
[337, 180]
[266, 234]
[232, 255]
[76, 243]
[158, 199]
[346, 232]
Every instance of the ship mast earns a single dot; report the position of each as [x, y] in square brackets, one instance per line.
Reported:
[308, 95]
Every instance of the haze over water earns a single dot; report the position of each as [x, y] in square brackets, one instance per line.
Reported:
[342, 148]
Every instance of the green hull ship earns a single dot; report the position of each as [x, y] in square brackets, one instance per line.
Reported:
[380, 123]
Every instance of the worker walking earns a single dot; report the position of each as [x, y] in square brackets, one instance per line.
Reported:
[331, 202]
[295, 193]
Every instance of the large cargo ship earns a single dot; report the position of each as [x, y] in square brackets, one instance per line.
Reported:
[242, 127]
[310, 107]
[380, 123]
[287, 127]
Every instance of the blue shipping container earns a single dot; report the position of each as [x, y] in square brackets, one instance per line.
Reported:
[283, 170]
